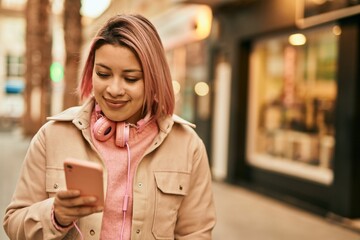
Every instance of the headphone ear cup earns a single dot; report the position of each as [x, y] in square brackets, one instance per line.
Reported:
[103, 129]
[122, 134]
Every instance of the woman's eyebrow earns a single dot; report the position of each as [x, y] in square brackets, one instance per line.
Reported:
[133, 70]
[126, 70]
[102, 65]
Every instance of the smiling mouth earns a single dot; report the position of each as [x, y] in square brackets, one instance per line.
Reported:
[115, 103]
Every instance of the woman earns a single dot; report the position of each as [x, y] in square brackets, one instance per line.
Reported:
[156, 173]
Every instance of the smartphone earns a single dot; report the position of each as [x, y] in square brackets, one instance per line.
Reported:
[85, 176]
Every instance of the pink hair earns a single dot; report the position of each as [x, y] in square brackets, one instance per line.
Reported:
[140, 36]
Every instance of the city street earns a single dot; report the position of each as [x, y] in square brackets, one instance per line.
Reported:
[242, 214]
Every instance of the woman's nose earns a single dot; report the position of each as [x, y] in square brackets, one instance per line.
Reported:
[116, 87]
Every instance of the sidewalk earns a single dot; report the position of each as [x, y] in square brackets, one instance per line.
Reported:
[12, 151]
[242, 214]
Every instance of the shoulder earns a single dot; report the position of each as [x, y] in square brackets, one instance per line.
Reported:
[172, 124]
[61, 123]
[179, 131]
[183, 128]
[82, 111]
[73, 119]
[66, 115]
[179, 120]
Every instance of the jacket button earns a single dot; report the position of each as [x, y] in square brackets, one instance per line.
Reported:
[137, 231]
[180, 187]
[140, 184]
[92, 232]
[80, 122]
[56, 186]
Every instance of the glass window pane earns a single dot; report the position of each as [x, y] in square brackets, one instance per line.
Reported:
[292, 99]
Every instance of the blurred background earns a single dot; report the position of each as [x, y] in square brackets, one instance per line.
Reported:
[271, 85]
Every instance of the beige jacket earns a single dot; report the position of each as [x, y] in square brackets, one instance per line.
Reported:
[171, 188]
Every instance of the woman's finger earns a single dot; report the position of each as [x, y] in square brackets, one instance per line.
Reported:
[65, 194]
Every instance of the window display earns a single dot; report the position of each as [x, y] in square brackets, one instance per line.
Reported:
[293, 93]
[187, 65]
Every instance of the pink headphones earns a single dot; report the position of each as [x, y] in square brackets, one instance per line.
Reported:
[104, 128]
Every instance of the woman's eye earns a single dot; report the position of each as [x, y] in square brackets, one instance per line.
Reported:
[132, 79]
[102, 75]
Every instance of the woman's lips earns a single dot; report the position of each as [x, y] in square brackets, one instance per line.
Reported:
[115, 104]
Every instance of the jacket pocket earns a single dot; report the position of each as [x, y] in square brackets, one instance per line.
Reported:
[171, 189]
[55, 180]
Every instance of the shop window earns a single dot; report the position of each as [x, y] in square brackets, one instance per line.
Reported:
[14, 74]
[293, 92]
[188, 68]
[14, 66]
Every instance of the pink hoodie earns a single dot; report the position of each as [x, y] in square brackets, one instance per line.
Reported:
[115, 159]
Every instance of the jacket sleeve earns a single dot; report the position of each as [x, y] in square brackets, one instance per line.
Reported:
[28, 214]
[196, 216]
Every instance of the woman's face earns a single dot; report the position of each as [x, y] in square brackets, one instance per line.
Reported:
[118, 83]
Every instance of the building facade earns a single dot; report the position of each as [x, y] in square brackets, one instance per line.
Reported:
[290, 71]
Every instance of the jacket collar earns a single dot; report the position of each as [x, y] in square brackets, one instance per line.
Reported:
[81, 115]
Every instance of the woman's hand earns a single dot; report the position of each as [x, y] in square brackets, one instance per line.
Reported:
[70, 206]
